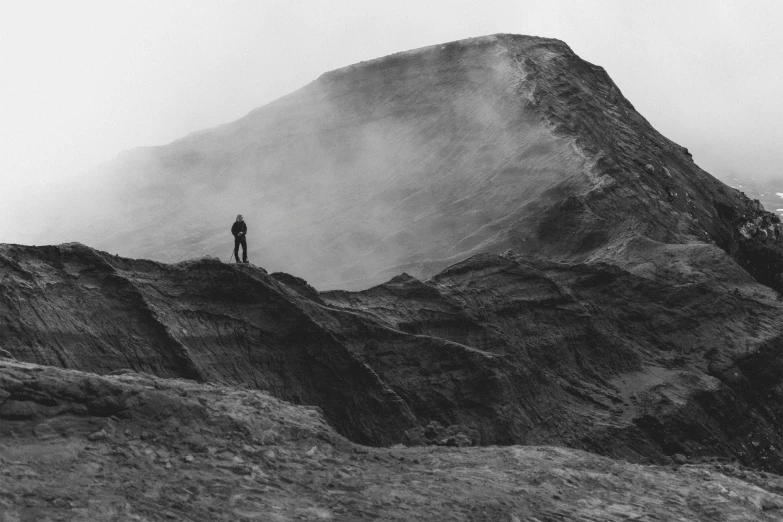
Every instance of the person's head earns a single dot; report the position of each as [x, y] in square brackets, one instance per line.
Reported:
[240, 218]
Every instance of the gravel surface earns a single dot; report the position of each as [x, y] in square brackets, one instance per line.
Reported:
[75, 446]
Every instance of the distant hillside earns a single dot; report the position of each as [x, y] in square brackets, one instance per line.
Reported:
[418, 160]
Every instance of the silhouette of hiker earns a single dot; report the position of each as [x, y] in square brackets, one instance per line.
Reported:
[239, 229]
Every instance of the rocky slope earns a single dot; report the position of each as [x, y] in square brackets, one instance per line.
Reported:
[75, 446]
[420, 159]
[681, 356]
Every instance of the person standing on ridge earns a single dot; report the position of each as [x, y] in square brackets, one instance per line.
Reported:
[239, 229]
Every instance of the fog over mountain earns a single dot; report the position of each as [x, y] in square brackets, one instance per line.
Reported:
[410, 163]
[85, 81]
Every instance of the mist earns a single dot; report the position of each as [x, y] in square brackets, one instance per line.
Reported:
[367, 171]
[86, 82]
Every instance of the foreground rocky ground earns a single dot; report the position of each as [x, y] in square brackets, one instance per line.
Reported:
[77, 446]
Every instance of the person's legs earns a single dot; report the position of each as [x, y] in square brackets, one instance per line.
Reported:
[237, 241]
[244, 249]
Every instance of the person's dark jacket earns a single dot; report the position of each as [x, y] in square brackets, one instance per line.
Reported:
[237, 227]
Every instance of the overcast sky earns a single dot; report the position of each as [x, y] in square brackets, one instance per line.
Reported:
[81, 81]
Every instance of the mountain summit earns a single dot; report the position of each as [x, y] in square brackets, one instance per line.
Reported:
[420, 159]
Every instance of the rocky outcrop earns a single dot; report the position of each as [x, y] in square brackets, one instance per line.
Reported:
[498, 349]
[645, 185]
[624, 365]
[76, 446]
[74, 307]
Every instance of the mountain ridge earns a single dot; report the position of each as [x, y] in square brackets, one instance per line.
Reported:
[503, 349]
[413, 161]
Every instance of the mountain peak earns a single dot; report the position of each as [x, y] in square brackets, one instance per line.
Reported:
[444, 51]
[419, 159]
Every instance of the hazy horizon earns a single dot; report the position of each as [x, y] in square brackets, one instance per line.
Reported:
[85, 82]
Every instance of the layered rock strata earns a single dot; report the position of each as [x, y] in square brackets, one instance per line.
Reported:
[679, 356]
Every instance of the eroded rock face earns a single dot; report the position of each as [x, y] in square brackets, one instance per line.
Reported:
[676, 355]
[652, 356]
[74, 307]
[137, 447]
